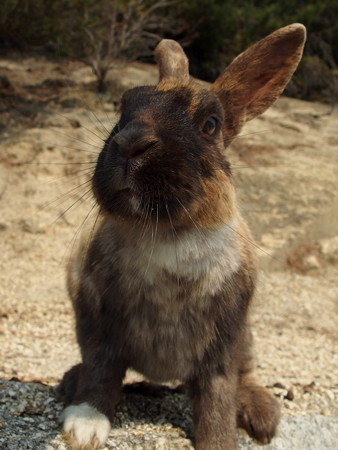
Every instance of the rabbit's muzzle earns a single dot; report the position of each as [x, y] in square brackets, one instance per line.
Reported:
[134, 140]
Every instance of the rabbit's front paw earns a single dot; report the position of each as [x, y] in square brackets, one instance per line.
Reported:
[86, 425]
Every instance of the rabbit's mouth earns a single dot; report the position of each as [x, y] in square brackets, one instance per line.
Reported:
[127, 174]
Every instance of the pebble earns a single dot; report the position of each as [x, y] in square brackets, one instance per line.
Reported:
[330, 394]
[311, 262]
[290, 395]
[329, 246]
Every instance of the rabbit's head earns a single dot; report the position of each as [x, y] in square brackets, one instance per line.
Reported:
[164, 160]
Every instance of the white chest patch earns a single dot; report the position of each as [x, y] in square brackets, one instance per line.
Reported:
[211, 254]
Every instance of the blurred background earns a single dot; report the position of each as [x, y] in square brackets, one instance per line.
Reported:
[213, 32]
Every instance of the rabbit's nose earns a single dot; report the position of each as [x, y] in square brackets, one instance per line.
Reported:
[134, 140]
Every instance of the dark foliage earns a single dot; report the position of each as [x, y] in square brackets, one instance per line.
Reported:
[213, 32]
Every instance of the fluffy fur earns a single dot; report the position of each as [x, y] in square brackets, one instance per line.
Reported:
[164, 284]
[86, 425]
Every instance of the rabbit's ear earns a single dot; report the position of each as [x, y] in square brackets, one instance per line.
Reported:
[172, 61]
[256, 78]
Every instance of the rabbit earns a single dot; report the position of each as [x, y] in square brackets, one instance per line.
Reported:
[164, 285]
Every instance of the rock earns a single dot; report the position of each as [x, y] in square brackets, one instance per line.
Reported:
[290, 395]
[329, 248]
[301, 433]
[141, 423]
[311, 262]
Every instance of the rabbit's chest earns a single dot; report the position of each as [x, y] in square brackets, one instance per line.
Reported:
[158, 266]
[165, 343]
[167, 291]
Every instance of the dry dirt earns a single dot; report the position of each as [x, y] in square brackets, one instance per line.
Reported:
[52, 126]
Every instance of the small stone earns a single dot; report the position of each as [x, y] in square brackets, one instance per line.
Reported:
[290, 395]
[139, 433]
[330, 394]
[329, 246]
[28, 419]
[311, 262]
[309, 387]
[279, 385]
[290, 405]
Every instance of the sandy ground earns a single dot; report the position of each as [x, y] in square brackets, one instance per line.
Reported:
[52, 126]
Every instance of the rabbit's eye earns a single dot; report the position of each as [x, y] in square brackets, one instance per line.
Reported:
[210, 126]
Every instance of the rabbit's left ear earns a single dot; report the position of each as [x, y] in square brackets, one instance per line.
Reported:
[256, 78]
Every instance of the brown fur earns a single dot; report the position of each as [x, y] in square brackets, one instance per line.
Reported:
[165, 283]
[258, 76]
[218, 202]
[173, 63]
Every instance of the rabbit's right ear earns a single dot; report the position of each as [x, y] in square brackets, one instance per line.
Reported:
[256, 78]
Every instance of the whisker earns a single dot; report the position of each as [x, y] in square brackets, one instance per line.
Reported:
[231, 167]
[154, 236]
[253, 132]
[175, 237]
[81, 150]
[239, 166]
[191, 218]
[106, 114]
[69, 175]
[78, 139]
[94, 225]
[100, 121]
[66, 194]
[146, 222]
[79, 229]
[252, 242]
[83, 126]
[80, 199]
[88, 108]
[59, 163]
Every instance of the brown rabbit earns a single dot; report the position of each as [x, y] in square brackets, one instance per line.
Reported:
[164, 285]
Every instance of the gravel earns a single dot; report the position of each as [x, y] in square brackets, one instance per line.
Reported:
[29, 421]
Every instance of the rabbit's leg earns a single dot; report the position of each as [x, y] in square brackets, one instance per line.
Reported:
[214, 409]
[96, 390]
[66, 390]
[258, 412]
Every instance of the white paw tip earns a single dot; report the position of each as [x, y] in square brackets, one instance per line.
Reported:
[86, 425]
